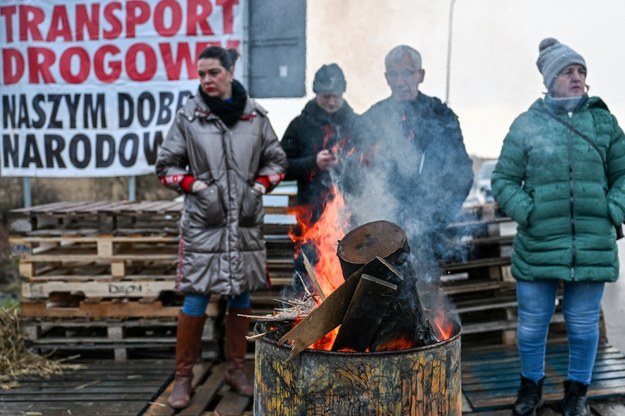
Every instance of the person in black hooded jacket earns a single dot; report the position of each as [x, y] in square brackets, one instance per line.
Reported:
[317, 143]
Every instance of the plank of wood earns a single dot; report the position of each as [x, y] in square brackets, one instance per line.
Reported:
[490, 377]
[160, 405]
[28, 210]
[99, 387]
[313, 277]
[74, 238]
[70, 407]
[88, 255]
[611, 408]
[476, 286]
[206, 391]
[102, 393]
[364, 314]
[476, 263]
[105, 309]
[232, 404]
[112, 289]
[327, 316]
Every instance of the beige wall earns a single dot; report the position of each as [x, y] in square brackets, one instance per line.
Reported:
[493, 62]
[357, 34]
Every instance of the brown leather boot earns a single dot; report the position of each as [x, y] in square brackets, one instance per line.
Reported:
[188, 347]
[235, 347]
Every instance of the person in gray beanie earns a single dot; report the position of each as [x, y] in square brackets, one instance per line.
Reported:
[561, 177]
[553, 58]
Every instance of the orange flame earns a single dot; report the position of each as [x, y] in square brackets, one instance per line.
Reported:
[443, 326]
[326, 341]
[325, 235]
[399, 343]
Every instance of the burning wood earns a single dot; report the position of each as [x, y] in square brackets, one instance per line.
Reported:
[378, 305]
[324, 318]
[298, 309]
[313, 277]
[371, 298]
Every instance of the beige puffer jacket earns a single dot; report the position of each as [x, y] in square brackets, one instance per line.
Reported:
[222, 248]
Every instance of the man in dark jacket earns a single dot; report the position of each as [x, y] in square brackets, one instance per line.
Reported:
[418, 172]
[316, 143]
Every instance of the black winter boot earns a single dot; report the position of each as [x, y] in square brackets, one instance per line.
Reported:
[574, 402]
[530, 397]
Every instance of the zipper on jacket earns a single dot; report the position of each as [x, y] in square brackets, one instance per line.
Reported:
[571, 200]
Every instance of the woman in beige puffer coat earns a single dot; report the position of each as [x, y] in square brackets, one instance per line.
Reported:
[222, 154]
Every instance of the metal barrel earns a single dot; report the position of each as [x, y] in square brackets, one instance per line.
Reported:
[418, 381]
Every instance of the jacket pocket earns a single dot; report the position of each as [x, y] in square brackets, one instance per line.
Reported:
[206, 207]
[251, 208]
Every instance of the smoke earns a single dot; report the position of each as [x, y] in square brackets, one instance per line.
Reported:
[403, 173]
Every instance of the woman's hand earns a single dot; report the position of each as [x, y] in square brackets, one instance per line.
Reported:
[198, 185]
[259, 187]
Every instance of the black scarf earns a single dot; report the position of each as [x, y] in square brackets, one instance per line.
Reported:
[228, 111]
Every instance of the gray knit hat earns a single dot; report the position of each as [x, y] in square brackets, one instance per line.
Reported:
[329, 78]
[553, 58]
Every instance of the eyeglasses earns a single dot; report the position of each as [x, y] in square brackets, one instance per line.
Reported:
[404, 74]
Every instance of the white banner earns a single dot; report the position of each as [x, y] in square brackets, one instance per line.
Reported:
[90, 88]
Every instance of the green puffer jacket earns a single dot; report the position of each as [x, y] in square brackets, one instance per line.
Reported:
[554, 185]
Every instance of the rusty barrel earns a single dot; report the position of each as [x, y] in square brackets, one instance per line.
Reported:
[417, 381]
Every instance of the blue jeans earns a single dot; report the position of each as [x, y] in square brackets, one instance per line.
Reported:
[581, 307]
[195, 305]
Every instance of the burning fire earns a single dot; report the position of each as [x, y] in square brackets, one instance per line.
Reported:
[324, 236]
[399, 343]
[443, 326]
[326, 341]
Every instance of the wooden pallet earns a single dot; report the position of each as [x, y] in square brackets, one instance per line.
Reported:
[130, 267]
[490, 377]
[142, 387]
[211, 396]
[73, 305]
[118, 336]
[121, 217]
[98, 388]
[102, 216]
[132, 289]
[91, 257]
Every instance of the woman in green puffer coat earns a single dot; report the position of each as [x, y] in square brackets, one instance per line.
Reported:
[561, 177]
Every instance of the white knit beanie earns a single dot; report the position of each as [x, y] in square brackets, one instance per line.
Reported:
[553, 58]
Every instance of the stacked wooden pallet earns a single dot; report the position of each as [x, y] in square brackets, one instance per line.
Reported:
[101, 274]
[109, 268]
[480, 285]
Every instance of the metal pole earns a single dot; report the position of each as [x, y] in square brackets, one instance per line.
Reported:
[451, 20]
[132, 188]
[26, 188]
